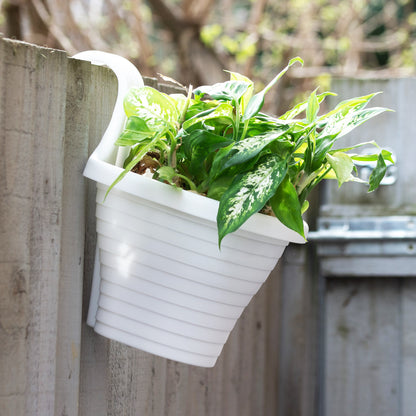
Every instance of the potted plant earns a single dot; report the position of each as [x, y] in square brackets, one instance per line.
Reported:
[197, 197]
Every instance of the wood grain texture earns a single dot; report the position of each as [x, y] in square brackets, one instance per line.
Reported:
[101, 89]
[298, 349]
[140, 383]
[408, 347]
[32, 136]
[363, 339]
[42, 217]
[368, 360]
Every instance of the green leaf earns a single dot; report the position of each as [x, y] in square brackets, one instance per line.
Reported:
[377, 174]
[198, 146]
[299, 108]
[136, 131]
[245, 98]
[257, 126]
[254, 106]
[132, 163]
[294, 60]
[250, 147]
[198, 107]
[221, 115]
[322, 146]
[346, 106]
[229, 90]
[181, 101]
[342, 165]
[347, 149]
[312, 108]
[286, 206]
[154, 107]
[342, 124]
[248, 193]
[374, 157]
[219, 186]
[168, 174]
[256, 102]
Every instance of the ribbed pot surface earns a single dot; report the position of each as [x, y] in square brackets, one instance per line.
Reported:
[166, 288]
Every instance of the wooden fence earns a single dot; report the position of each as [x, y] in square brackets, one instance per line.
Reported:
[368, 342]
[53, 111]
[316, 340]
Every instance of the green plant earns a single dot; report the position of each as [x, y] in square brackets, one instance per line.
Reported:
[225, 148]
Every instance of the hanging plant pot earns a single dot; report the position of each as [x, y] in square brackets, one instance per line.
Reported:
[161, 284]
[165, 287]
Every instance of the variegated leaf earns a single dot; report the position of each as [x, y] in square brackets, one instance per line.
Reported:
[153, 106]
[341, 124]
[222, 114]
[249, 193]
[342, 165]
[251, 146]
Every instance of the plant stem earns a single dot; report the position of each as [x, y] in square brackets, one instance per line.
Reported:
[305, 180]
[243, 135]
[237, 120]
[188, 181]
[185, 109]
[172, 152]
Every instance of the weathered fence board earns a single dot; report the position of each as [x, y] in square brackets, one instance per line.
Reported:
[32, 214]
[369, 360]
[408, 347]
[100, 86]
[363, 355]
[53, 111]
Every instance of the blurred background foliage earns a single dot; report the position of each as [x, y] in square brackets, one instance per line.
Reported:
[193, 41]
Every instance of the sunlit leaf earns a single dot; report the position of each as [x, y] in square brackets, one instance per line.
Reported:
[256, 102]
[245, 98]
[170, 175]
[299, 108]
[312, 108]
[374, 157]
[153, 106]
[229, 90]
[136, 131]
[343, 124]
[180, 101]
[342, 165]
[346, 106]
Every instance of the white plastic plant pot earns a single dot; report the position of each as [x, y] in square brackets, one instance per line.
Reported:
[160, 282]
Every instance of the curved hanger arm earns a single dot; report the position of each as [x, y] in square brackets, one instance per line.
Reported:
[127, 76]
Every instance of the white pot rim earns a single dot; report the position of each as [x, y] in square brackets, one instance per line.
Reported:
[187, 202]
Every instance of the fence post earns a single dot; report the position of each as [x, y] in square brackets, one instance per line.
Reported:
[44, 117]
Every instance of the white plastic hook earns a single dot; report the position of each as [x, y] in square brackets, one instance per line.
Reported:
[128, 76]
